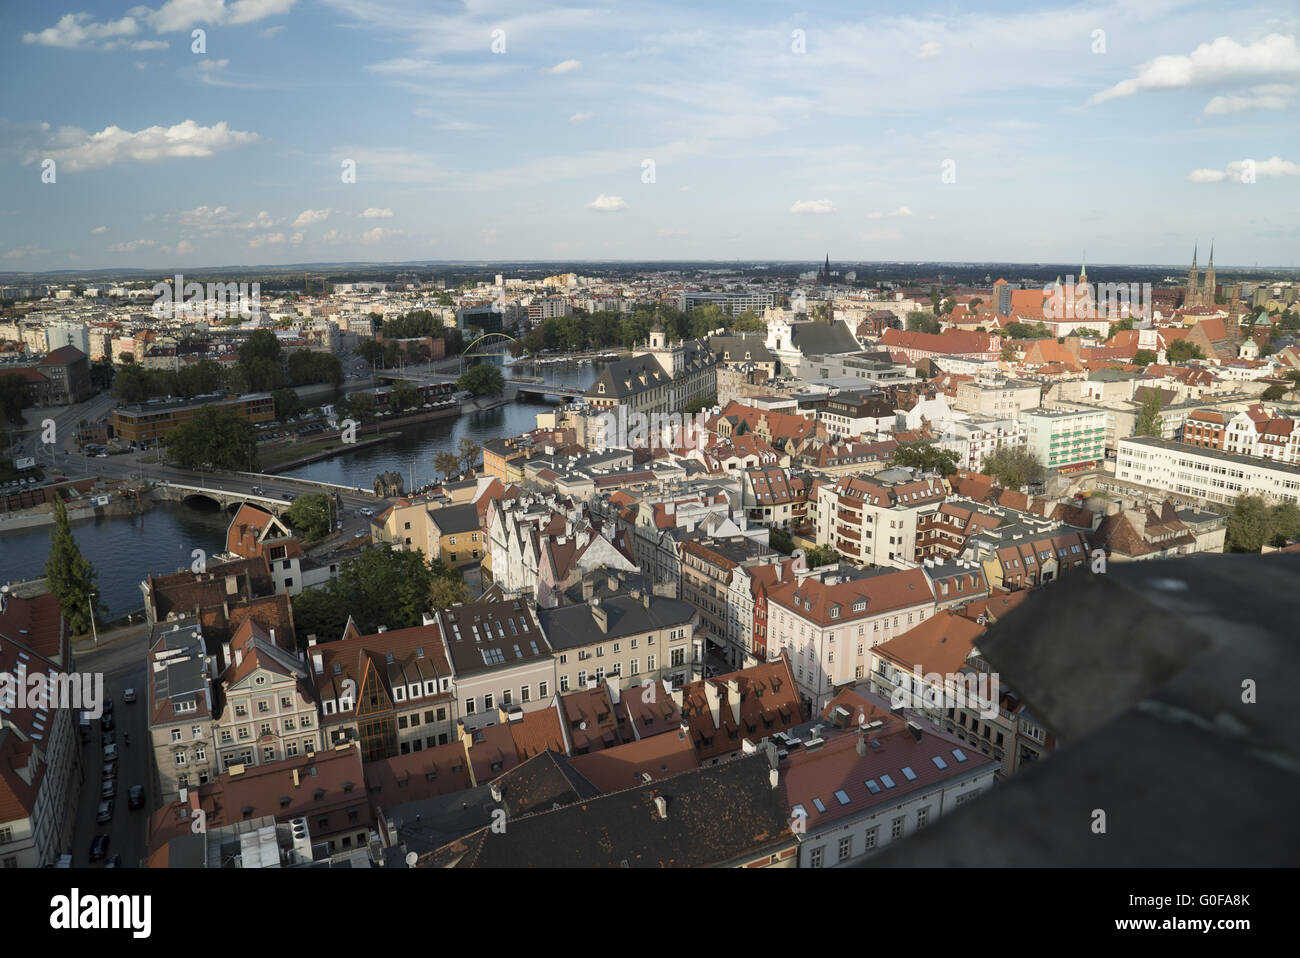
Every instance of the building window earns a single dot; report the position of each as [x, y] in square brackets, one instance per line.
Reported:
[487, 702]
[469, 706]
[922, 816]
[176, 735]
[846, 847]
[815, 857]
[896, 827]
[525, 693]
[869, 839]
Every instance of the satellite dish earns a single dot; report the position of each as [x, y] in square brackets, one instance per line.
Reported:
[411, 859]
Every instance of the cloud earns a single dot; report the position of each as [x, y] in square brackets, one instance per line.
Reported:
[77, 31]
[581, 117]
[811, 206]
[379, 235]
[565, 66]
[266, 239]
[184, 248]
[901, 211]
[131, 246]
[100, 229]
[376, 213]
[272, 31]
[1221, 63]
[209, 65]
[296, 239]
[308, 217]
[1245, 171]
[75, 150]
[669, 231]
[607, 204]
[332, 236]
[1275, 96]
[183, 14]
[928, 50]
[20, 252]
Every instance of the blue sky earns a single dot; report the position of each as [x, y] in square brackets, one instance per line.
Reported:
[775, 132]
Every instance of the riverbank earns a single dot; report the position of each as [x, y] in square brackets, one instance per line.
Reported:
[324, 449]
[43, 515]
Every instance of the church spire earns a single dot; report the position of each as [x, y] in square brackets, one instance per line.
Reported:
[1211, 254]
[1083, 270]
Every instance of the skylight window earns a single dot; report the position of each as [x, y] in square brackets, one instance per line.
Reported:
[872, 787]
[908, 773]
[817, 803]
[959, 755]
[888, 782]
[842, 796]
[939, 762]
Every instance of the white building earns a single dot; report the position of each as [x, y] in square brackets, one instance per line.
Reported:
[1065, 437]
[1204, 473]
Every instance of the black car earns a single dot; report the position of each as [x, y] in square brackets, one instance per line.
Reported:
[106, 723]
[135, 797]
[98, 847]
[109, 738]
[114, 862]
[108, 707]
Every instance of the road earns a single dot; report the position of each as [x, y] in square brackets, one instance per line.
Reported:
[121, 658]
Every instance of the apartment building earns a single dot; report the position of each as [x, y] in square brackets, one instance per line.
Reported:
[707, 567]
[390, 692]
[1027, 553]
[997, 397]
[663, 377]
[849, 414]
[866, 778]
[1065, 437]
[746, 607]
[1204, 473]
[732, 715]
[873, 521]
[774, 496]
[633, 634]
[499, 658]
[40, 750]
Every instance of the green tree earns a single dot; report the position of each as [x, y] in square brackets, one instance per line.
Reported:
[131, 384]
[371, 351]
[1086, 333]
[311, 516]
[780, 540]
[261, 344]
[920, 322]
[1274, 392]
[381, 586]
[820, 556]
[359, 406]
[1123, 324]
[1148, 418]
[1144, 357]
[404, 396]
[445, 591]
[1013, 467]
[70, 575]
[14, 397]
[1249, 528]
[320, 612]
[926, 456]
[1180, 351]
[748, 322]
[1009, 351]
[447, 463]
[287, 403]
[214, 439]
[482, 379]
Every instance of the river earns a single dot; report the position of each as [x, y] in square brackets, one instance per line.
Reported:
[124, 549]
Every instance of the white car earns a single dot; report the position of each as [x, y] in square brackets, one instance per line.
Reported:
[110, 753]
[128, 695]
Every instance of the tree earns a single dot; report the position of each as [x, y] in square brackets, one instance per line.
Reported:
[1009, 351]
[1148, 420]
[311, 516]
[1144, 357]
[927, 457]
[974, 304]
[214, 439]
[1086, 333]
[748, 322]
[482, 379]
[360, 406]
[371, 351]
[319, 612]
[1248, 525]
[445, 591]
[1126, 323]
[287, 404]
[780, 540]
[1274, 392]
[14, 397]
[1013, 467]
[447, 463]
[1180, 351]
[70, 575]
[919, 322]
[819, 556]
[131, 384]
[404, 396]
[469, 452]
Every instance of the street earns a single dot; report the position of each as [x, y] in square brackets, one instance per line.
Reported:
[121, 657]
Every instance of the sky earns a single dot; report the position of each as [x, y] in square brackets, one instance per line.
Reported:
[1126, 132]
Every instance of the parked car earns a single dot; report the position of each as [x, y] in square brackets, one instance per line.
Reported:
[105, 813]
[109, 738]
[108, 707]
[128, 695]
[98, 847]
[114, 862]
[135, 797]
[110, 771]
[108, 789]
[287, 496]
[110, 753]
[106, 722]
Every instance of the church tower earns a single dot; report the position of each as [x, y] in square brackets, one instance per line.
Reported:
[1193, 292]
[1210, 287]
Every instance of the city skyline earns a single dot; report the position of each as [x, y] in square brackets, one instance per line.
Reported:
[771, 134]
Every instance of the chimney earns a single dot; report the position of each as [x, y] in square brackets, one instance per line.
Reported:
[317, 663]
[715, 703]
[427, 619]
[645, 599]
[239, 656]
[862, 745]
[599, 616]
[588, 589]
[615, 684]
[915, 730]
[273, 636]
[225, 653]
[733, 696]
[773, 777]
[661, 806]
[496, 793]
